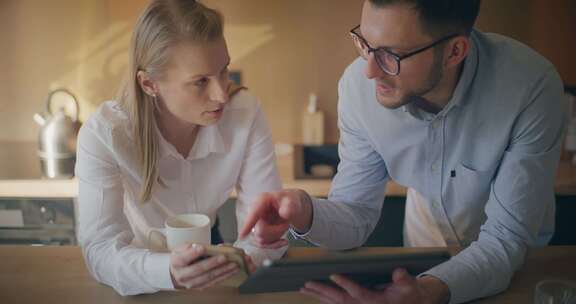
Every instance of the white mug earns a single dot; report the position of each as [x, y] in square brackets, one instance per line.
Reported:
[184, 228]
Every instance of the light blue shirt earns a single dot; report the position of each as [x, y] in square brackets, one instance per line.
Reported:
[484, 166]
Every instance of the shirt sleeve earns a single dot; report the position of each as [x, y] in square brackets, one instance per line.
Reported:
[521, 193]
[346, 219]
[258, 174]
[104, 232]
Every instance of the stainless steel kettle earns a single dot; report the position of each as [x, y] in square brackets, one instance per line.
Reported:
[57, 138]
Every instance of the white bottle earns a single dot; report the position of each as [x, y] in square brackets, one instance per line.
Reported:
[313, 123]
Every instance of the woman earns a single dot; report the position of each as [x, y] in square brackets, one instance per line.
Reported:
[178, 140]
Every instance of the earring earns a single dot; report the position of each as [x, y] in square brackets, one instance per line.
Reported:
[155, 101]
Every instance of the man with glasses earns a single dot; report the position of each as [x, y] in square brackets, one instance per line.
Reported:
[471, 123]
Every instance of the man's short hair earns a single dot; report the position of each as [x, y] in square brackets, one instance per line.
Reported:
[441, 17]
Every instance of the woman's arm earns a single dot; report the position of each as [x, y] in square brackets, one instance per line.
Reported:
[104, 232]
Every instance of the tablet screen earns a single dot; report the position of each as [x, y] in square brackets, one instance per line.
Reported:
[367, 269]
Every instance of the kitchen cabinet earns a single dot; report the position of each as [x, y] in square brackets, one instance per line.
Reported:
[33, 210]
[565, 232]
[37, 221]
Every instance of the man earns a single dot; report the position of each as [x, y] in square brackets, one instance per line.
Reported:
[471, 123]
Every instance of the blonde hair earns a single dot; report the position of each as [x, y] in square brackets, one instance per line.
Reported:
[163, 23]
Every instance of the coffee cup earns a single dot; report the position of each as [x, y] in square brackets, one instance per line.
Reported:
[181, 229]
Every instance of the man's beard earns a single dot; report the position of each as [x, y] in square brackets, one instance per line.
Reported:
[434, 77]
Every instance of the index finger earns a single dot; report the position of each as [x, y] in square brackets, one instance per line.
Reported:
[260, 206]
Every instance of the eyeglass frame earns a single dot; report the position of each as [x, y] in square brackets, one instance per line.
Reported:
[397, 57]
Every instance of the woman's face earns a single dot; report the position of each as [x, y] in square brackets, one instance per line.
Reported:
[193, 86]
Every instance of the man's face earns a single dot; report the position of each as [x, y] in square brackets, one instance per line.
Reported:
[397, 28]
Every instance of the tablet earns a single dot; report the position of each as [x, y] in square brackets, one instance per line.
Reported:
[368, 269]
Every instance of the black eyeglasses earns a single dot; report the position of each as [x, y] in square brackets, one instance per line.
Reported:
[387, 60]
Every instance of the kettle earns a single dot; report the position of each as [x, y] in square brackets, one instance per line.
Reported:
[57, 138]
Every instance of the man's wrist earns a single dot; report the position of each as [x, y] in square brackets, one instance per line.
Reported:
[438, 292]
[303, 226]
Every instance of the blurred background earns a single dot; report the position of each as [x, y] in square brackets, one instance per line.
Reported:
[284, 50]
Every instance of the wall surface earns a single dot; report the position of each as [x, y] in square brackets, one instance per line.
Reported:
[284, 50]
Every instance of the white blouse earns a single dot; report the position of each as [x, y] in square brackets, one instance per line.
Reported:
[237, 152]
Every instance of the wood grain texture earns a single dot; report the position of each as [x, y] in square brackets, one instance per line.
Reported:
[58, 275]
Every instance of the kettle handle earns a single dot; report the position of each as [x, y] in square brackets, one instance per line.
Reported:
[62, 90]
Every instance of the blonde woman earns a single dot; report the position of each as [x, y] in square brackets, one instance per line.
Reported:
[178, 140]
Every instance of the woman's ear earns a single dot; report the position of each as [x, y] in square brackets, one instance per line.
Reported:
[146, 83]
[457, 50]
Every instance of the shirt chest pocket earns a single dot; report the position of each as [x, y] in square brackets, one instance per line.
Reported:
[468, 186]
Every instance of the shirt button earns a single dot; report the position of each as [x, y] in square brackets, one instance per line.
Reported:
[434, 167]
[435, 124]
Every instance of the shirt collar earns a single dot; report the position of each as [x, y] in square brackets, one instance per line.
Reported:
[209, 140]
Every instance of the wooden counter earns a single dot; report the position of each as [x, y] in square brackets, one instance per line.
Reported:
[565, 183]
[58, 275]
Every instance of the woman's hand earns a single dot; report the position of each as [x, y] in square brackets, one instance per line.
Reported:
[189, 270]
[250, 267]
[248, 263]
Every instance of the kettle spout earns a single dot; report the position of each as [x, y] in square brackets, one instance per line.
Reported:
[39, 119]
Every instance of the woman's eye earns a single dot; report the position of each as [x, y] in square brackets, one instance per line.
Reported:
[202, 82]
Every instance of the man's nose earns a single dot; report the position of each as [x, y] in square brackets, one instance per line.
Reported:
[372, 70]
